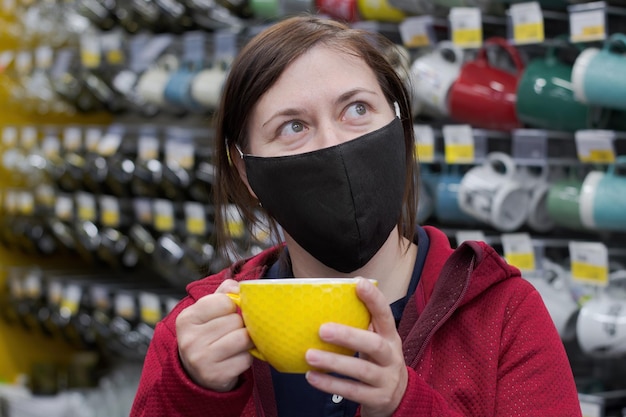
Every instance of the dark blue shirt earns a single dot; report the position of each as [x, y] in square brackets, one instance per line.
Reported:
[294, 395]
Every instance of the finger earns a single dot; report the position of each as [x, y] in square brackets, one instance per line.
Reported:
[347, 388]
[349, 366]
[228, 286]
[382, 317]
[231, 344]
[365, 342]
[207, 308]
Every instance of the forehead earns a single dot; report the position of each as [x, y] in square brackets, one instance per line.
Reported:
[321, 72]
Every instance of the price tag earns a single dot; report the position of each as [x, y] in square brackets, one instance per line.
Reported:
[170, 303]
[519, 251]
[112, 46]
[110, 142]
[147, 147]
[9, 136]
[458, 144]
[72, 137]
[163, 215]
[417, 31]
[124, 306]
[469, 235]
[261, 230]
[150, 308]
[466, 27]
[10, 202]
[179, 153]
[26, 203]
[90, 50]
[109, 211]
[32, 285]
[234, 221]
[51, 146]
[64, 207]
[71, 300]
[28, 137]
[595, 146]
[55, 293]
[86, 209]
[100, 297]
[424, 143]
[195, 218]
[527, 23]
[143, 210]
[590, 409]
[587, 25]
[45, 195]
[589, 263]
[92, 139]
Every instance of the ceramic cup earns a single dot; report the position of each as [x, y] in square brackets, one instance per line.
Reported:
[379, 10]
[432, 75]
[563, 202]
[206, 87]
[492, 192]
[603, 198]
[597, 75]
[283, 316]
[601, 326]
[152, 83]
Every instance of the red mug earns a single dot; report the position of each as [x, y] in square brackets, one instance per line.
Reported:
[346, 10]
[485, 96]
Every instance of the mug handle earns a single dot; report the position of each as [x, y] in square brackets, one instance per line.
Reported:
[504, 44]
[613, 40]
[254, 351]
[562, 42]
[458, 53]
[504, 159]
[619, 161]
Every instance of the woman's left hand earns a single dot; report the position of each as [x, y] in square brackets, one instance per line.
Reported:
[379, 374]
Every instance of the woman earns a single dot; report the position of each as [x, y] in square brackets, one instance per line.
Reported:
[314, 129]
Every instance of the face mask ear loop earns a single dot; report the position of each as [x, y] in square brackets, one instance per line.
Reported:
[397, 107]
[230, 160]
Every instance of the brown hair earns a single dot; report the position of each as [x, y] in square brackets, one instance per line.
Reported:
[255, 70]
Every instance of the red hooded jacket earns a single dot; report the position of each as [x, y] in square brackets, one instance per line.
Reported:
[477, 340]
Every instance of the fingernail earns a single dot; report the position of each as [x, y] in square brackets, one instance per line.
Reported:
[327, 331]
[364, 284]
[312, 356]
[311, 377]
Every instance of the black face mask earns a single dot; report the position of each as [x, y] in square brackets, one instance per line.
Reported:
[339, 203]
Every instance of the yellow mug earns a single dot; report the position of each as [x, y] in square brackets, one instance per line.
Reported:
[283, 316]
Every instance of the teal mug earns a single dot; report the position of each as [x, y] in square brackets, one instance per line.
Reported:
[603, 198]
[598, 74]
[545, 98]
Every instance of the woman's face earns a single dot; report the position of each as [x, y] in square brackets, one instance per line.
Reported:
[323, 98]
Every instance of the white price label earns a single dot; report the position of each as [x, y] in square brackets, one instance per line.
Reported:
[519, 251]
[589, 263]
[234, 221]
[195, 218]
[64, 207]
[466, 27]
[415, 31]
[150, 308]
[458, 144]
[163, 215]
[527, 22]
[71, 300]
[587, 25]
[9, 136]
[92, 139]
[28, 137]
[590, 409]
[469, 235]
[143, 210]
[72, 137]
[86, 209]
[51, 146]
[595, 146]
[424, 143]
[26, 203]
[109, 211]
[179, 153]
[110, 143]
[124, 306]
[147, 148]
[43, 57]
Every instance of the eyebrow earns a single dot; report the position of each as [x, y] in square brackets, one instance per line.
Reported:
[295, 111]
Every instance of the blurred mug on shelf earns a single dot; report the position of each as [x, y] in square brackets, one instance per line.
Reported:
[493, 193]
[564, 201]
[545, 95]
[597, 75]
[484, 95]
[206, 87]
[432, 75]
[601, 326]
[379, 10]
[346, 10]
[603, 198]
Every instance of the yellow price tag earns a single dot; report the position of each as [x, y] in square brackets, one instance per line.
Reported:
[425, 152]
[70, 305]
[418, 41]
[235, 228]
[115, 57]
[459, 153]
[468, 38]
[86, 213]
[528, 32]
[163, 222]
[196, 225]
[601, 156]
[524, 261]
[90, 59]
[594, 32]
[110, 218]
[593, 274]
[150, 315]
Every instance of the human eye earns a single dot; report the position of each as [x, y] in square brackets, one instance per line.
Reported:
[356, 110]
[292, 127]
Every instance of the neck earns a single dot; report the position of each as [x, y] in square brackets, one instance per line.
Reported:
[392, 266]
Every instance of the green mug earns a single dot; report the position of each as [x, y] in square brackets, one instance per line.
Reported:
[563, 203]
[545, 98]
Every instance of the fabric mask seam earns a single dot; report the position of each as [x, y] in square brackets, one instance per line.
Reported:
[358, 228]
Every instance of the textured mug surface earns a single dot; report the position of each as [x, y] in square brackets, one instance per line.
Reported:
[283, 316]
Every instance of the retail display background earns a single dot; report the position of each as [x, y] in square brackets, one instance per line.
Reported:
[106, 174]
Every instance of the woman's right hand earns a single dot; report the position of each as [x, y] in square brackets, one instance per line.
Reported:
[213, 343]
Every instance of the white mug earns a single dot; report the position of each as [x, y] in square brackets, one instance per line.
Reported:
[206, 87]
[432, 75]
[537, 183]
[491, 192]
[152, 83]
[601, 326]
